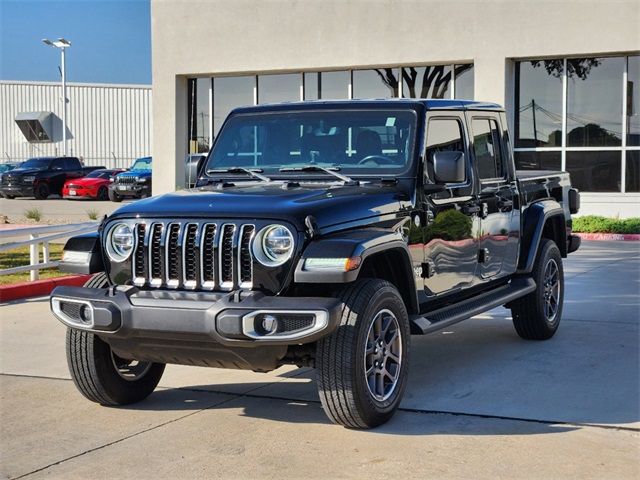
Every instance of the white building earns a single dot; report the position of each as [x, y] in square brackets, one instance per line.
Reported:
[567, 71]
[106, 124]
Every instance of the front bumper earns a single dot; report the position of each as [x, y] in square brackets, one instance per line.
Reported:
[210, 329]
[79, 193]
[130, 189]
[17, 190]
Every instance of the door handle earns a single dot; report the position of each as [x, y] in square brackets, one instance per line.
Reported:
[470, 209]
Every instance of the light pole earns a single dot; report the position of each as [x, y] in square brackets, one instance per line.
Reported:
[62, 44]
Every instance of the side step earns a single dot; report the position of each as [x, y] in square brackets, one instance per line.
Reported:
[446, 316]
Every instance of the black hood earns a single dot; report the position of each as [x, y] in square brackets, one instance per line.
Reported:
[330, 205]
[23, 171]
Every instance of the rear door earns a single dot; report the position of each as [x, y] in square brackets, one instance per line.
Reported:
[497, 196]
[451, 219]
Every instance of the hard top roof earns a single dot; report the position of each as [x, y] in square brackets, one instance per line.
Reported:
[413, 103]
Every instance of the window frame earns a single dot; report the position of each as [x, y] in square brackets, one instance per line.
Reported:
[469, 171]
[501, 148]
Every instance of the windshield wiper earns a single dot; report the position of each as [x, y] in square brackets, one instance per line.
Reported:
[316, 168]
[254, 172]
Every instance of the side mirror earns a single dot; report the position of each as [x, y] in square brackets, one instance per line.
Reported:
[449, 167]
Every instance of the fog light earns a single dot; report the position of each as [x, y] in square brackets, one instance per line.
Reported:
[86, 314]
[269, 324]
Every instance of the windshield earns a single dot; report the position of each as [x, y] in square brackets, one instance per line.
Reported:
[100, 174]
[142, 164]
[36, 163]
[366, 142]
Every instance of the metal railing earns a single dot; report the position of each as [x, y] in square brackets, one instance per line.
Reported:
[36, 236]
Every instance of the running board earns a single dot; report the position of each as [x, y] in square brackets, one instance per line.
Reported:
[446, 316]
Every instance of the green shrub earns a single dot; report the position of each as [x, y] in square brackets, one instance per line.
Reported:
[598, 224]
[33, 214]
[93, 214]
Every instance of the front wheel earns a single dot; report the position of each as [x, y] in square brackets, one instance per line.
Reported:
[537, 316]
[101, 375]
[362, 366]
[114, 197]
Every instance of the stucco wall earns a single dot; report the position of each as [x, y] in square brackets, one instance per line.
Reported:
[204, 38]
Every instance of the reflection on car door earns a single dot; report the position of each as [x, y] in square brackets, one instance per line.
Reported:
[497, 197]
[451, 217]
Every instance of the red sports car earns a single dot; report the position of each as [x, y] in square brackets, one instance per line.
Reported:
[94, 185]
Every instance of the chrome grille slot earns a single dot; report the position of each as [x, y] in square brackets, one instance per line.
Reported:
[126, 180]
[225, 256]
[193, 254]
[172, 253]
[245, 259]
[190, 256]
[139, 270]
[155, 255]
[208, 256]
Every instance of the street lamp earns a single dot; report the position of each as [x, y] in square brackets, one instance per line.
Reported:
[62, 44]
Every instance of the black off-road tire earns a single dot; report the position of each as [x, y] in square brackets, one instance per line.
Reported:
[114, 197]
[340, 358]
[93, 370]
[530, 313]
[42, 191]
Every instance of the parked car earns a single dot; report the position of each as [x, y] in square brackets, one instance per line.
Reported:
[5, 167]
[192, 165]
[135, 182]
[321, 235]
[42, 176]
[95, 185]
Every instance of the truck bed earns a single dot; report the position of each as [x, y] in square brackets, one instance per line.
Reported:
[541, 184]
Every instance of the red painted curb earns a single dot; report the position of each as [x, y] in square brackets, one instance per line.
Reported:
[628, 237]
[39, 288]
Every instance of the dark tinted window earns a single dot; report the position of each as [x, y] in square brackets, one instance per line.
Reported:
[378, 83]
[594, 101]
[71, 163]
[538, 119]
[464, 81]
[595, 171]
[633, 102]
[229, 93]
[486, 148]
[443, 134]
[326, 85]
[433, 81]
[633, 171]
[538, 160]
[57, 164]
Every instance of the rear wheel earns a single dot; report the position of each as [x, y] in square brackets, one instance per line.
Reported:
[42, 191]
[10, 197]
[537, 316]
[114, 197]
[103, 193]
[101, 375]
[362, 366]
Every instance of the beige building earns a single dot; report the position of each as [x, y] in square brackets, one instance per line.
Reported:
[567, 71]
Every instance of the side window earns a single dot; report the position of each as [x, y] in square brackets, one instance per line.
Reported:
[57, 164]
[70, 164]
[487, 148]
[443, 134]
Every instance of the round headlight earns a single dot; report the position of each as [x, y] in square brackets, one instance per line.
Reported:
[273, 245]
[120, 242]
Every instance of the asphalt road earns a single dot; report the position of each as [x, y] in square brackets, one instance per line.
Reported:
[481, 403]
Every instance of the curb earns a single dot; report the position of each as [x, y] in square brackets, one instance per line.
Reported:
[39, 288]
[627, 237]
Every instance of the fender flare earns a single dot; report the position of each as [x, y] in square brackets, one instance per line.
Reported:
[88, 243]
[536, 217]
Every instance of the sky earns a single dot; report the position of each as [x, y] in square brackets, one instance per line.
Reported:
[110, 40]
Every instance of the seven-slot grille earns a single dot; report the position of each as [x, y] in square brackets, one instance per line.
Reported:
[193, 255]
[126, 179]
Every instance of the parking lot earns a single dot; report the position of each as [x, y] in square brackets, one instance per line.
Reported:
[481, 402]
[56, 209]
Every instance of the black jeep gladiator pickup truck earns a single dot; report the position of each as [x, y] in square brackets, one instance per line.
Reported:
[42, 176]
[321, 234]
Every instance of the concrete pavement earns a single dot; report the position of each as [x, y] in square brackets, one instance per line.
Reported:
[480, 403]
[56, 209]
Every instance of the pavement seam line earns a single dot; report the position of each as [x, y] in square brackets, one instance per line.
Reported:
[135, 434]
[236, 396]
[635, 257]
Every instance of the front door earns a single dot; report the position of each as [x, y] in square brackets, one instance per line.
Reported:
[451, 217]
[497, 196]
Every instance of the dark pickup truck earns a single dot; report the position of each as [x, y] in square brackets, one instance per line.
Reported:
[321, 234]
[42, 176]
